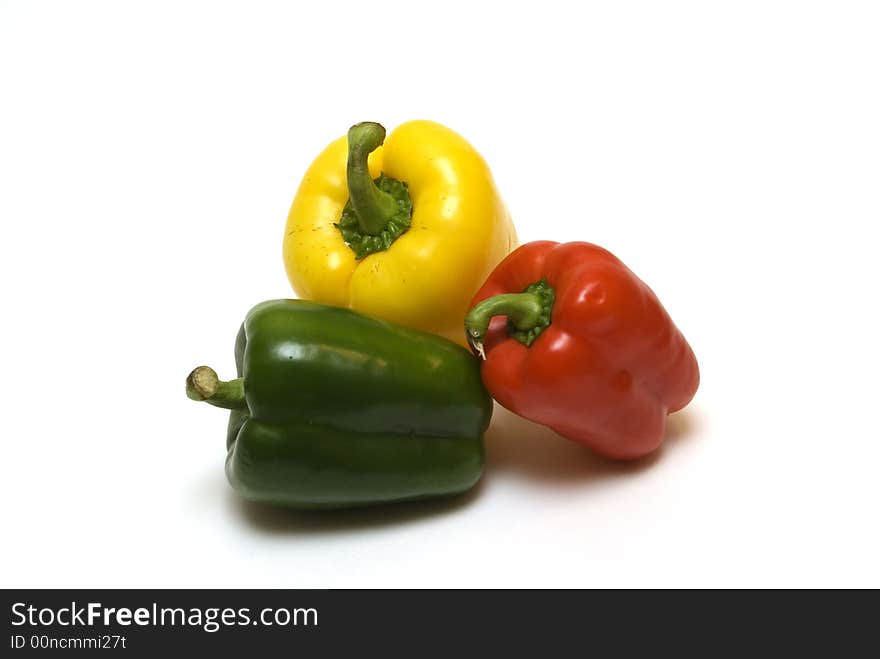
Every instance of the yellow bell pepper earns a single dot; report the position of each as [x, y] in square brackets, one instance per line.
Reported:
[407, 231]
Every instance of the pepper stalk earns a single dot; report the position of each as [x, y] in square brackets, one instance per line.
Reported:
[378, 212]
[203, 384]
[528, 314]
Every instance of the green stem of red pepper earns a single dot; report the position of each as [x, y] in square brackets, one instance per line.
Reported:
[528, 313]
[203, 384]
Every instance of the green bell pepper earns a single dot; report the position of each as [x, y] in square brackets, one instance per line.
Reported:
[335, 409]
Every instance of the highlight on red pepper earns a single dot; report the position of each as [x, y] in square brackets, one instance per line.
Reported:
[572, 339]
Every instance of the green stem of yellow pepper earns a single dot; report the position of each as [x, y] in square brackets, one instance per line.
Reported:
[374, 207]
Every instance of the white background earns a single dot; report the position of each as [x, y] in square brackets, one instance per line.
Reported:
[728, 152]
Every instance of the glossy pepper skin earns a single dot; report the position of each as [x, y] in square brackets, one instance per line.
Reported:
[604, 364]
[415, 255]
[334, 409]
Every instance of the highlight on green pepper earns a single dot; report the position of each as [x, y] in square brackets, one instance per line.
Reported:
[335, 409]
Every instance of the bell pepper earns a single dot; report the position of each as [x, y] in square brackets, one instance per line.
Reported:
[404, 228]
[573, 340]
[335, 409]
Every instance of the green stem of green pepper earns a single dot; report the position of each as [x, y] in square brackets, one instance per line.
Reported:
[204, 385]
[374, 207]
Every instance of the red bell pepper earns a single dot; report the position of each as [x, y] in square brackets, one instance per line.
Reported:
[573, 340]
